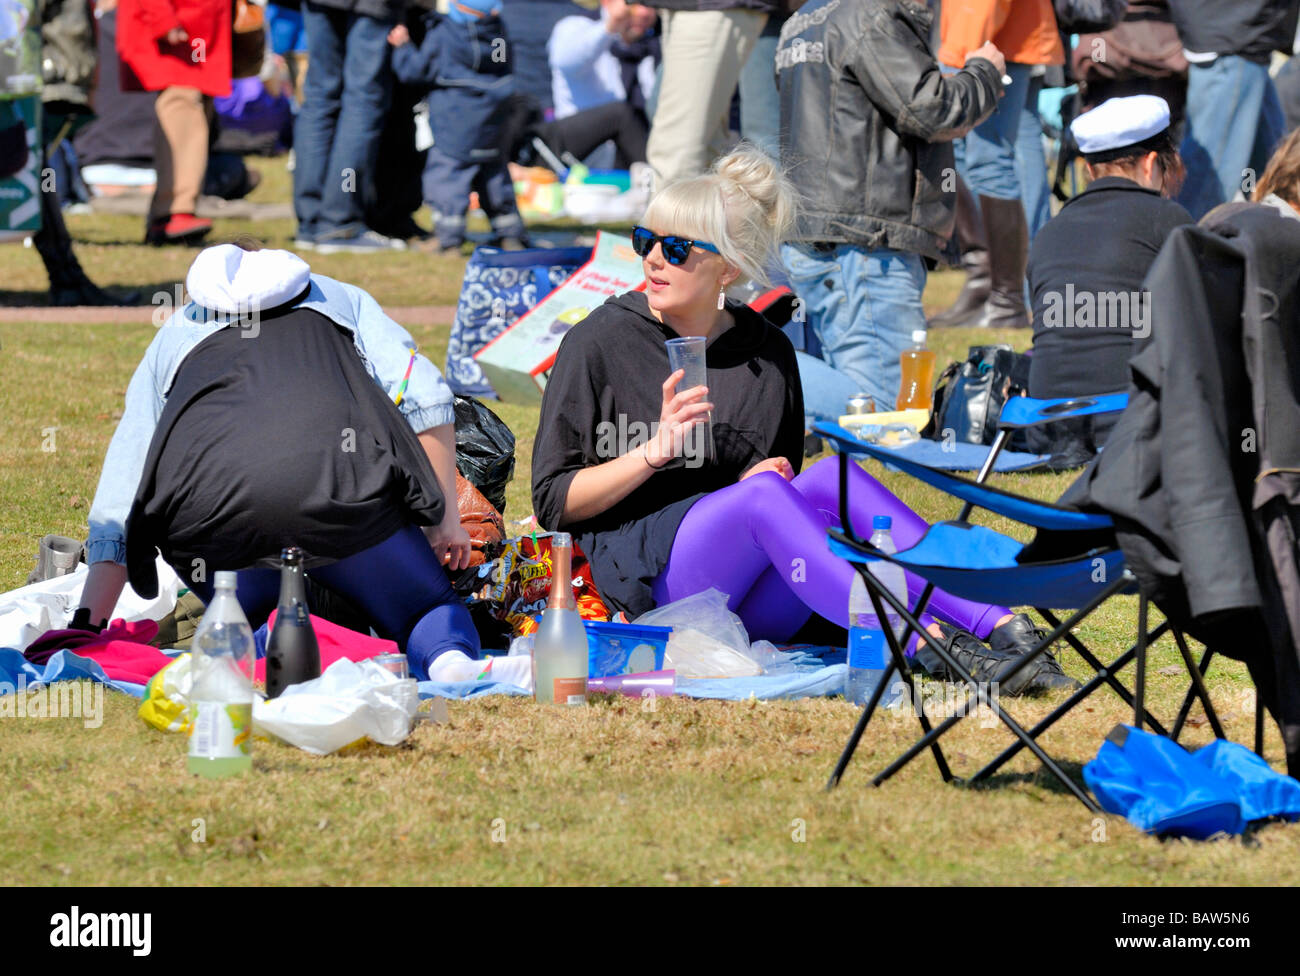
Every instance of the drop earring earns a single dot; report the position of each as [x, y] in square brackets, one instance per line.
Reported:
[722, 298]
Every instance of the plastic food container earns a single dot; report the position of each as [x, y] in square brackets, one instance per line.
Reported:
[624, 648]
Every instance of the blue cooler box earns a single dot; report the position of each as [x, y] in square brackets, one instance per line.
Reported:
[624, 648]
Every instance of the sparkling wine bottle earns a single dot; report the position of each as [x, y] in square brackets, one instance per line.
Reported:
[560, 658]
[292, 655]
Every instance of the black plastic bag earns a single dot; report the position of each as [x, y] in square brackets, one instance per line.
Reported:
[485, 450]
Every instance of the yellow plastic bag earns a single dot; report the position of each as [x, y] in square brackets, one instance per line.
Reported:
[167, 697]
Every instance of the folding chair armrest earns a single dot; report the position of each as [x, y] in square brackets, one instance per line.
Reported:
[1032, 411]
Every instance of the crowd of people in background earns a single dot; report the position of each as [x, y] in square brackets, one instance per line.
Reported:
[914, 133]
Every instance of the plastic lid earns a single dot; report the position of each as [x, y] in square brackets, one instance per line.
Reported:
[881, 522]
[918, 336]
[224, 578]
[561, 540]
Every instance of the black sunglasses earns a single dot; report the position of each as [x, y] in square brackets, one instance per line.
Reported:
[675, 249]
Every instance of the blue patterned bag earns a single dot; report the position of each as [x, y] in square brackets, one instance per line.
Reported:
[499, 286]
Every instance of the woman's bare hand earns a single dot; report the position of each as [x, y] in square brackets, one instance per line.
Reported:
[778, 464]
[678, 413]
[450, 542]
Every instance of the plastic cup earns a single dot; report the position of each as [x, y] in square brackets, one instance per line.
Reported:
[688, 355]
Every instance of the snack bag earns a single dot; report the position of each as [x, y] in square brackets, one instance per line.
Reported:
[516, 583]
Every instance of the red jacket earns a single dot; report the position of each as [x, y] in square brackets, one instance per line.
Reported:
[150, 63]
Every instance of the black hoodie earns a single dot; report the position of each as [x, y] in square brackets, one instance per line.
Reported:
[602, 396]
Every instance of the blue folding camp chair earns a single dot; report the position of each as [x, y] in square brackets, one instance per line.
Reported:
[1082, 570]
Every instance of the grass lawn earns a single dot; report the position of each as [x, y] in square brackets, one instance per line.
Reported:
[507, 792]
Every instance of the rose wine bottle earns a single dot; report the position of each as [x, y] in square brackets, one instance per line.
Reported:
[560, 646]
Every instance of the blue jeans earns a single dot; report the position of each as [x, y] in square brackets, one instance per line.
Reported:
[863, 306]
[336, 138]
[760, 100]
[988, 161]
[1031, 164]
[1234, 121]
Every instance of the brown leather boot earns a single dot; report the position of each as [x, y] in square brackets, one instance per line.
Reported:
[1008, 236]
[969, 231]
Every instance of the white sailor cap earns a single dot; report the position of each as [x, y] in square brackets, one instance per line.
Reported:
[1120, 123]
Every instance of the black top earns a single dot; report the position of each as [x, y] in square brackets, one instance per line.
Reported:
[604, 393]
[272, 440]
[1085, 279]
[1250, 28]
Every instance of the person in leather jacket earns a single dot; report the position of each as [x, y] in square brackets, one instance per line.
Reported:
[867, 121]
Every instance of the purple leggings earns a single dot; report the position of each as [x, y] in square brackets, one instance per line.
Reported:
[763, 542]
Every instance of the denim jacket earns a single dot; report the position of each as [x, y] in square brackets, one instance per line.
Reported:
[386, 349]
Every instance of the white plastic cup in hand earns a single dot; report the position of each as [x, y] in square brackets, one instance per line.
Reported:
[688, 355]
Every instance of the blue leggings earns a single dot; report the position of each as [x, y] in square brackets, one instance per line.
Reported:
[398, 584]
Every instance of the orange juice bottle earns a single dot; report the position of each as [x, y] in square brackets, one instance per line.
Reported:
[914, 391]
[918, 374]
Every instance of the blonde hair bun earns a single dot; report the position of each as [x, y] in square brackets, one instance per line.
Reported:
[744, 206]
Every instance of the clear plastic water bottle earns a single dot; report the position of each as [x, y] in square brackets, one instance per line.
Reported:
[868, 648]
[221, 701]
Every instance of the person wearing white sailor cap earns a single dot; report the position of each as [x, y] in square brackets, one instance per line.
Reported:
[1087, 263]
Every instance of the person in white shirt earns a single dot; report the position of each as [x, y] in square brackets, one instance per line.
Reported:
[591, 60]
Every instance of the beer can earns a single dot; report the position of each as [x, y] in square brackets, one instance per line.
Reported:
[860, 403]
[395, 663]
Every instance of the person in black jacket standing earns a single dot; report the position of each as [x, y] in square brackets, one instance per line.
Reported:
[867, 122]
[1234, 118]
[336, 141]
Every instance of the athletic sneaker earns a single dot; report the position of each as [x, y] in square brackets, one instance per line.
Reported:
[367, 242]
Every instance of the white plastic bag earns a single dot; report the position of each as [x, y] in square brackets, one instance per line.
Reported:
[352, 700]
[29, 611]
[708, 640]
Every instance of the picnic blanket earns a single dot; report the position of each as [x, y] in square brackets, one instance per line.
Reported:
[820, 673]
[813, 672]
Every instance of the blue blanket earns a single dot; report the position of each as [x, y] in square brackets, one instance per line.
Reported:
[62, 666]
[966, 457]
[815, 672]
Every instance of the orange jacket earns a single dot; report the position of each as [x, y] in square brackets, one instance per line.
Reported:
[1023, 30]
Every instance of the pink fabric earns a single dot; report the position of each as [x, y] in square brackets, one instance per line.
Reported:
[336, 644]
[123, 660]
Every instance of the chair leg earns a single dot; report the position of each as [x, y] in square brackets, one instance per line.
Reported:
[1140, 694]
[856, 736]
[1197, 690]
[1259, 726]
[1060, 712]
[898, 663]
[982, 696]
[1108, 673]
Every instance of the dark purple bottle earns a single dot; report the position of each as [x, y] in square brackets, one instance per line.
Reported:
[292, 655]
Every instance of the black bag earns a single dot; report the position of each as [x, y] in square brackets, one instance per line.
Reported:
[969, 395]
[485, 450]
[1088, 16]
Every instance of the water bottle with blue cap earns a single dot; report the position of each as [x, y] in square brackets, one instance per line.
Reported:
[868, 648]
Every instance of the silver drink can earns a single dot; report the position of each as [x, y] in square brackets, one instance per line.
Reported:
[860, 403]
[395, 663]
